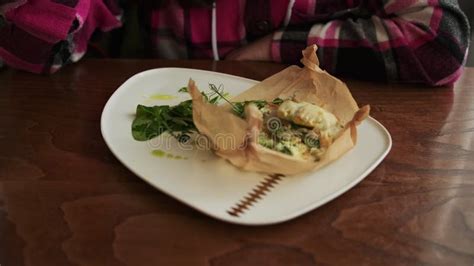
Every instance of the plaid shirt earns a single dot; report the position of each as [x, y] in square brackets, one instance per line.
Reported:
[421, 41]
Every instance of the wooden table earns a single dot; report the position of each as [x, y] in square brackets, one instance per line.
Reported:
[65, 199]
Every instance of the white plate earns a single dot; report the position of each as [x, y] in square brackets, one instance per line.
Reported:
[210, 184]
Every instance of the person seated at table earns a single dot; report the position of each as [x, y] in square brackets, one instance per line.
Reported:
[397, 40]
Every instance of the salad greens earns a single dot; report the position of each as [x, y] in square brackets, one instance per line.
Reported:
[150, 122]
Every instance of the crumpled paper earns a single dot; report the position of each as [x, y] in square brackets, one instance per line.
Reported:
[236, 139]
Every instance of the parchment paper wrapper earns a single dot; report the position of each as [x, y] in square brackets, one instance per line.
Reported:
[235, 139]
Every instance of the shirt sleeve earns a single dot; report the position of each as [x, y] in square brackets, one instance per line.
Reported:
[42, 36]
[399, 41]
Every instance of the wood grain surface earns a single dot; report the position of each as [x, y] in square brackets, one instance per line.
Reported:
[65, 199]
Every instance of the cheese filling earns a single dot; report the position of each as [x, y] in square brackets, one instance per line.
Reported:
[310, 115]
[305, 130]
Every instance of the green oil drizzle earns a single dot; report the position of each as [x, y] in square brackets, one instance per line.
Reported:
[158, 153]
[163, 154]
[162, 97]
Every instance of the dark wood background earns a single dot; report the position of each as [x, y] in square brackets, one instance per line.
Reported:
[65, 199]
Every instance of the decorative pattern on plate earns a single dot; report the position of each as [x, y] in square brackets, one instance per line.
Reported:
[257, 194]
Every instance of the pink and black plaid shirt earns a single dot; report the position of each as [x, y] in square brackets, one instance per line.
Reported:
[419, 41]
